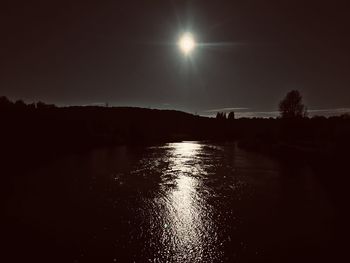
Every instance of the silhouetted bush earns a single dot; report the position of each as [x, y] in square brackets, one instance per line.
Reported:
[5, 103]
[19, 104]
[345, 116]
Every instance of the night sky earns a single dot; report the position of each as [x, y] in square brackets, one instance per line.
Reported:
[249, 54]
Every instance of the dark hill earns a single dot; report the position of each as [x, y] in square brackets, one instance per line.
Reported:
[46, 131]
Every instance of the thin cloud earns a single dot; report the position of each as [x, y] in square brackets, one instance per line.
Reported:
[337, 110]
[312, 112]
[227, 109]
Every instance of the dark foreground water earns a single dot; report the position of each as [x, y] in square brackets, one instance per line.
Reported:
[178, 202]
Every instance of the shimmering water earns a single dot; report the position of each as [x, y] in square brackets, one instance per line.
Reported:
[178, 202]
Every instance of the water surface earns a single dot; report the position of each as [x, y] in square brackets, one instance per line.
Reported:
[177, 202]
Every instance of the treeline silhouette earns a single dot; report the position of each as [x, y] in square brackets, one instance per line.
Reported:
[294, 136]
[43, 130]
[223, 116]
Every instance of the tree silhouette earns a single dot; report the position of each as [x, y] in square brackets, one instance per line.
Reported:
[5, 102]
[20, 104]
[291, 106]
[221, 116]
[231, 115]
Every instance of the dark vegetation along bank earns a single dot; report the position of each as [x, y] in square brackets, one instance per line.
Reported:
[42, 131]
[45, 130]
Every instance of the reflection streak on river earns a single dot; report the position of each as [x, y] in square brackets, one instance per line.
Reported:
[186, 231]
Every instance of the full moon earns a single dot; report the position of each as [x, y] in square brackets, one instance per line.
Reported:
[187, 43]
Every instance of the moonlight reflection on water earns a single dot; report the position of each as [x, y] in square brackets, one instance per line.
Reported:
[177, 202]
[187, 230]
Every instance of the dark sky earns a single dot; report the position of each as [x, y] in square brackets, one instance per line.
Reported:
[125, 53]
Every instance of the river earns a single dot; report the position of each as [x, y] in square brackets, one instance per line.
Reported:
[177, 202]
